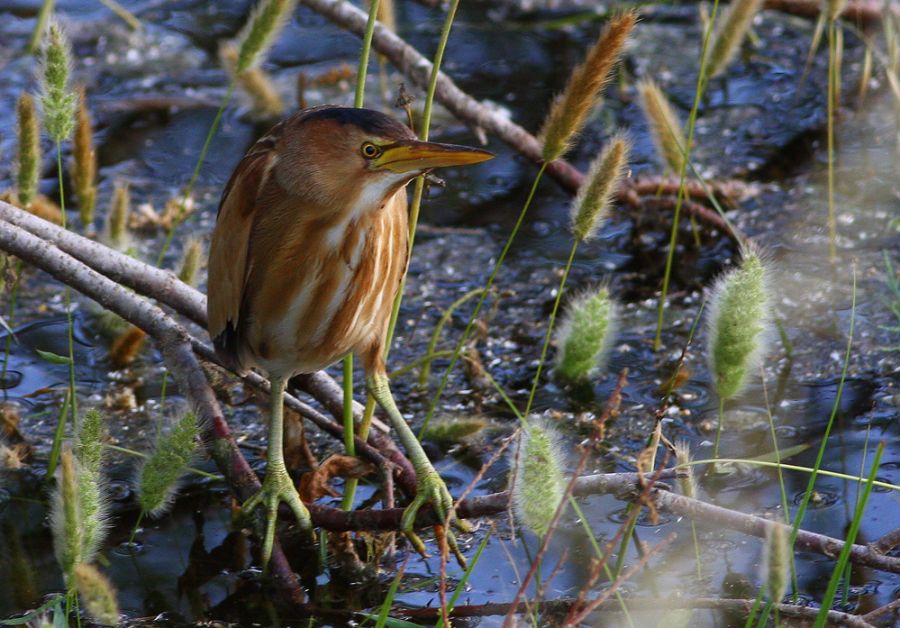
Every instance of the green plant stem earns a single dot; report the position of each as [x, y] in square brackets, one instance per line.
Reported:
[360, 96]
[549, 334]
[692, 119]
[58, 436]
[461, 585]
[719, 427]
[843, 558]
[457, 352]
[807, 495]
[349, 425]
[436, 334]
[170, 234]
[73, 401]
[790, 467]
[40, 26]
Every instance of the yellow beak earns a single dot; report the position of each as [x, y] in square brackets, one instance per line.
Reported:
[413, 155]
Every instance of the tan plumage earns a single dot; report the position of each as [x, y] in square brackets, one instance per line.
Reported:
[310, 245]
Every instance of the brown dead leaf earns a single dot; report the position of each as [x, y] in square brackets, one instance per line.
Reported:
[315, 484]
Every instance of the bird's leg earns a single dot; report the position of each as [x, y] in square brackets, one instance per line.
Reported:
[277, 486]
[430, 488]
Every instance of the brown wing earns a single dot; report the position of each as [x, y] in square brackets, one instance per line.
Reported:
[228, 252]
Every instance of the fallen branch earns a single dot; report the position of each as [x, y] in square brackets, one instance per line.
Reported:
[708, 514]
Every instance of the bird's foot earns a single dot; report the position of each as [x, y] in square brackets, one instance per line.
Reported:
[430, 489]
[277, 487]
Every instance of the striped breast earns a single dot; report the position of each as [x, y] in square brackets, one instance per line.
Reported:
[335, 291]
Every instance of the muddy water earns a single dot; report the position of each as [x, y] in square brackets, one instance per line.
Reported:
[154, 94]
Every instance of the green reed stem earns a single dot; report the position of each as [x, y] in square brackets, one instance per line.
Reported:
[807, 494]
[549, 334]
[719, 428]
[170, 234]
[360, 96]
[487, 286]
[40, 26]
[461, 585]
[58, 435]
[73, 402]
[436, 334]
[843, 558]
[682, 175]
[349, 426]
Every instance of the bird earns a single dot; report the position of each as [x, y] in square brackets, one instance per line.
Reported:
[307, 255]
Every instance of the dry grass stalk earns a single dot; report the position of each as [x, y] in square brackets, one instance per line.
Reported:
[569, 112]
[591, 206]
[256, 84]
[191, 261]
[84, 164]
[730, 32]
[117, 223]
[665, 127]
[29, 136]
[126, 347]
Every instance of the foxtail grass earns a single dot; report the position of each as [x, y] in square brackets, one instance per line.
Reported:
[57, 99]
[665, 128]
[266, 103]
[737, 329]
[159, 474]
[29, 149]
[539, 485]
[585, 335]
[79, 510]
[258, 35]
[97, 595]
[58, 102]
[84, 163]
[191, 260]
[730, 32]
[776, 562]
[569, 112]
[40, 26]
[65, 518]
[117, 221]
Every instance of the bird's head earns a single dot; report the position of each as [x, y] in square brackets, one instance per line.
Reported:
[338, 153]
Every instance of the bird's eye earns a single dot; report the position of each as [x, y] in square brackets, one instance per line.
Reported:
[370, 151]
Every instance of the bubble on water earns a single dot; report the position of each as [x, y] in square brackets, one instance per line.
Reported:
[118, 490]
[821, 498]
[129, 548]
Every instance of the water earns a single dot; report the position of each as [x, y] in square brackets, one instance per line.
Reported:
[191, 565]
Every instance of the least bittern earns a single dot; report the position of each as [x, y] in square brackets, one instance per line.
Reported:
[310, 245]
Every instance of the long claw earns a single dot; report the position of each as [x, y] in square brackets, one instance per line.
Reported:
[277, 487]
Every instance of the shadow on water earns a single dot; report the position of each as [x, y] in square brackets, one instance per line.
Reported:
[153, 108]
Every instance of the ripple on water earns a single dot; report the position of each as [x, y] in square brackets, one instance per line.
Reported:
[129, 548]
[821, 498]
